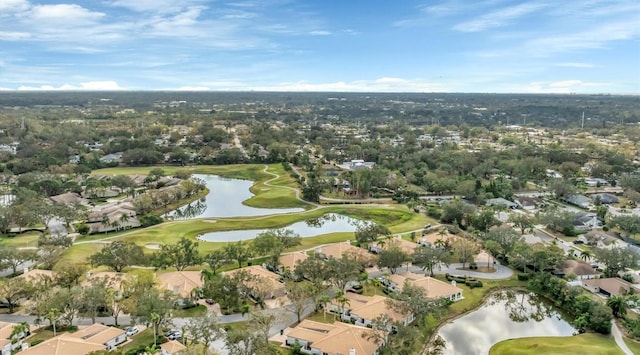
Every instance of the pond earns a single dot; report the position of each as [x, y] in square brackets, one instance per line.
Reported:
[224, 200]
[328, 223]
[505, 315]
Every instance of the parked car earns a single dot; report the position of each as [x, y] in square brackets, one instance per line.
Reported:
[130, 331]
[173, 334]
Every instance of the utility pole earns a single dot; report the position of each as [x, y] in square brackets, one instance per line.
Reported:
[583, 120]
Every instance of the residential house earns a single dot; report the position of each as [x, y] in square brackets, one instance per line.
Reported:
[183, 283]
[611, 286]
[362, 310]
[433, 288]
[112, 158]
[36, 275]
[529, 203]
[436, 238]
[172, 347]
[63, 344]
[69, 198]
[266, 278]
[113, 215]
[406, 246]
[586, 221]
[337, 250]
[581, 269]
[6, 343]
[605, 198]
[357, 164]
[579, 200]
[110, 337]
[337, 338]
[92, 338]
[501, 202]
[288, 262]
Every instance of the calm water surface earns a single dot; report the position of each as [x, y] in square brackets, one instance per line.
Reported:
[225, 200]
[328, 223]
[506, 315]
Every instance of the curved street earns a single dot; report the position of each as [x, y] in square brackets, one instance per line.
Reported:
[502, 272]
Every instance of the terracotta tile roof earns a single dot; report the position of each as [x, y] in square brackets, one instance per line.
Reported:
[433, 237]
[172, 347]
[97, 333]
[578, 268]
[291, 260]
[36, 275]
[6, 329]
[263, 274]
[337, 250]
[337, 338]
[63, 345]
[369, 308]
[613, 285]
[433, 288]
[180, 282]
[406, 246]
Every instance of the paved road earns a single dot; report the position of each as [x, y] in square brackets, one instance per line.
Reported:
[617, 335]
[502, 272]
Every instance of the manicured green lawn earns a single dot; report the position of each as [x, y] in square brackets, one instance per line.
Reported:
[27, 239]
[633, 345]
[169, 232]
[320, 317]
[190, 312]
[42, 334]
[579, 344]
[145, 337]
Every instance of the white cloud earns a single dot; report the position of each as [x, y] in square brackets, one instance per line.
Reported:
[565, 87]
[157, 6]
[498, 18]
[377, 85]
[64, 14]
[14, 36]
[320, 33]
[8, 7]
[596, 37]
[5, 89]
[575, 65]
[87, 86]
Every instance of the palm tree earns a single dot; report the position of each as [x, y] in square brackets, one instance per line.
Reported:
[124, 218]
[376, 283]
[19, 331]
[324, 300]
[618, 305]
[342, 300]
[586, 254]
[154, 319]
[52, 315]
[105, 223]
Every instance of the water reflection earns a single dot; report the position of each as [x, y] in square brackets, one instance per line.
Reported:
[224, 200]
[506, 315]
[328, 223]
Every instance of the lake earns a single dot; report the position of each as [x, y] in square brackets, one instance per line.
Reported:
[505, 315]
[224, 200]
[328, 223]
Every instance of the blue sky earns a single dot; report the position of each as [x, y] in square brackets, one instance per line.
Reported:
[559, 46]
